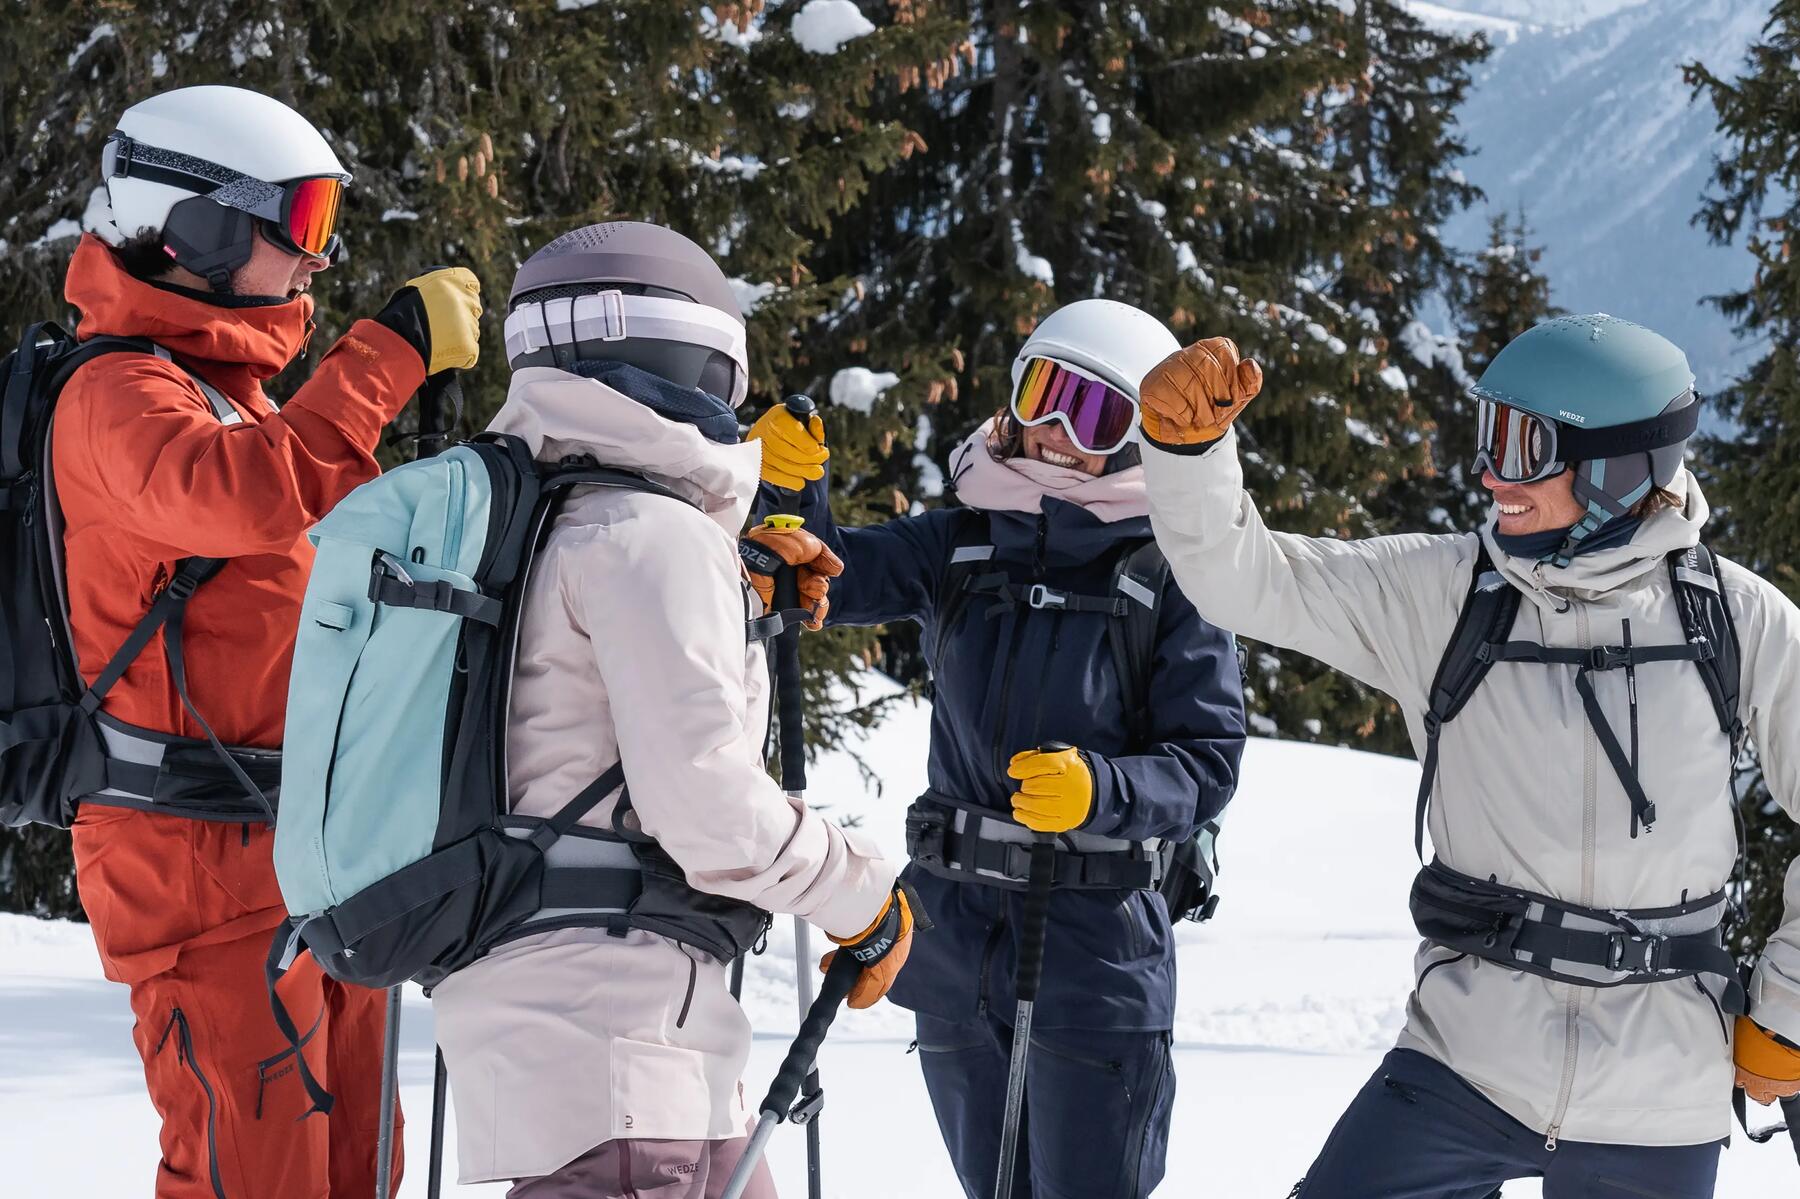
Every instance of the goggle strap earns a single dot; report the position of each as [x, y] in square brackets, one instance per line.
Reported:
[1576, 444]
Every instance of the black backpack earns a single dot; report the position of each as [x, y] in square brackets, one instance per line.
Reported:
[53, 750]
[1189, 868]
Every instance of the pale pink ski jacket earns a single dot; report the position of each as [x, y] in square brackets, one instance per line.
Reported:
[632, 646]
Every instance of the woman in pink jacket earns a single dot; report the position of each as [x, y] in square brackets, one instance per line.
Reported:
[604, 1062]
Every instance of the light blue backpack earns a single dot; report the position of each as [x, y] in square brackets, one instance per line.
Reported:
[396, 855]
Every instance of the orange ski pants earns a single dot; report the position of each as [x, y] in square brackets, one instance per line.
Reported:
[183, 912]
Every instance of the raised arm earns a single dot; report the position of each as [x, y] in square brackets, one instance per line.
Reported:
[140, 429]
[891, 570]
[1379, 610]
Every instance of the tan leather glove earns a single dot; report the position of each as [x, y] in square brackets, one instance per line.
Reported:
[439, 312]
[793, 454]
[882, 948]
[1767, 1069]
[1191, 397]
[766, 548]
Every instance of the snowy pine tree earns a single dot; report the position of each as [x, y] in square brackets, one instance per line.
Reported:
[1751, 473]
[477, 132]
[1193, 160]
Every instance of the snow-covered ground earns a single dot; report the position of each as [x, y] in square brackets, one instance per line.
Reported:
[1288, 999]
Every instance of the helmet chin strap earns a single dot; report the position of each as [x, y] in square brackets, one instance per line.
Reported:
[1602, 505]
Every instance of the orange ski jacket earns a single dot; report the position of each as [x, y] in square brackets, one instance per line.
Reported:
[147, 476]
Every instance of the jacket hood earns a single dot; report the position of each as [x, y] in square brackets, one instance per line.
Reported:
[258, 341]
[559, 414]
[1589, 576]
[1022, 484]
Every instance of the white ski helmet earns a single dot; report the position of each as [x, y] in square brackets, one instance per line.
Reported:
[629, 291]
[1113, 342]
[234, 150]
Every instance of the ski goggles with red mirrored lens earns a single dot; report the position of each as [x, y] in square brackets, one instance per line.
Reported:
[1518, 446]
[300, 215]
[1098, 416]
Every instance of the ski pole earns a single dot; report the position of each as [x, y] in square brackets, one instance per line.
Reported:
[779, 1104]
[440, 1080]
[791, 706]
[1031, 971]
[390, 1088]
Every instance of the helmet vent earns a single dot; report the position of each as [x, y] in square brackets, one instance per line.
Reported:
[590, 237]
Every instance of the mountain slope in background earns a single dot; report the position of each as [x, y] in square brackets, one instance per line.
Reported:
[1581, 118]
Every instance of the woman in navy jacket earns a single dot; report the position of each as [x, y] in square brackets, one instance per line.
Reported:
[1015, 590]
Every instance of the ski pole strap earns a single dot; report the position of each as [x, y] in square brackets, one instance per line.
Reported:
[1037, 918]
[839, 979]
[1740, 1107]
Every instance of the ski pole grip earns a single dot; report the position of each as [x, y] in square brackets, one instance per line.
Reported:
[441, 389]
[800, 407]
[790, 695]
[1037, 916]
[799, 1061]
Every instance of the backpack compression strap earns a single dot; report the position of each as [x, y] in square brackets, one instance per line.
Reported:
[1487, 615]
[1142, 575]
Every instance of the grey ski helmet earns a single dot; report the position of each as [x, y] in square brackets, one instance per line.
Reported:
[628, 291]
[1616, 403]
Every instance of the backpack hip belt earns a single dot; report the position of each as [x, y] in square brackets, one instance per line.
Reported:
[182, 776]
[969, 844]
[1592, 947]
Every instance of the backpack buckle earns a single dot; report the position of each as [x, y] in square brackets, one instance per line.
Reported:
[1608, 657]
[1041, 597]
[1635, 953]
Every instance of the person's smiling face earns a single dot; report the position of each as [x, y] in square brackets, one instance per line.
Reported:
[1527, 508]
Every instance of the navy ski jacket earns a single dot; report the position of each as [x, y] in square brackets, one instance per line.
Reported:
[1010, 679]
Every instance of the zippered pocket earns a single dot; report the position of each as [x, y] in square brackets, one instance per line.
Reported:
[184, 1050]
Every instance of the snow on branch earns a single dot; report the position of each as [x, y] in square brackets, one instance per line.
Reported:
[826, 26]
[858, 387]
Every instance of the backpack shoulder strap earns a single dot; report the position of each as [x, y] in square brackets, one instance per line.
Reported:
[1141, 575]
[971, 549]
[1706, 620]
[1487, 616]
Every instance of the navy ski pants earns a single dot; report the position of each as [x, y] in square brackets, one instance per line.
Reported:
[1418, 1131]
[1097, 1105]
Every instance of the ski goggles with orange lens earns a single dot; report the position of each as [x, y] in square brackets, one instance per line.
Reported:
[300, 215]
[1099, 417]
[1518, 446]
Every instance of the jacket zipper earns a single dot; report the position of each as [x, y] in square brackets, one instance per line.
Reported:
[1589, 820]
[987, 960]
[184, 1050]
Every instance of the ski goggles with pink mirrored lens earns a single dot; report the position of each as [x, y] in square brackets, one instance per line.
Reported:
[1099, 417]
[1518, 446]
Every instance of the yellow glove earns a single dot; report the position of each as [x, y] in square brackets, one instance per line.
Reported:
[1191, 397]
[439, 312]
[793, 454]
[1767, 1069]
[1056, 789]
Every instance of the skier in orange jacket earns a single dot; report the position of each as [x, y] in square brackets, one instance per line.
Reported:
[224, 205]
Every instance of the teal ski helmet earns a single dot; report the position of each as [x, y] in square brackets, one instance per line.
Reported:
[1610, 400]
